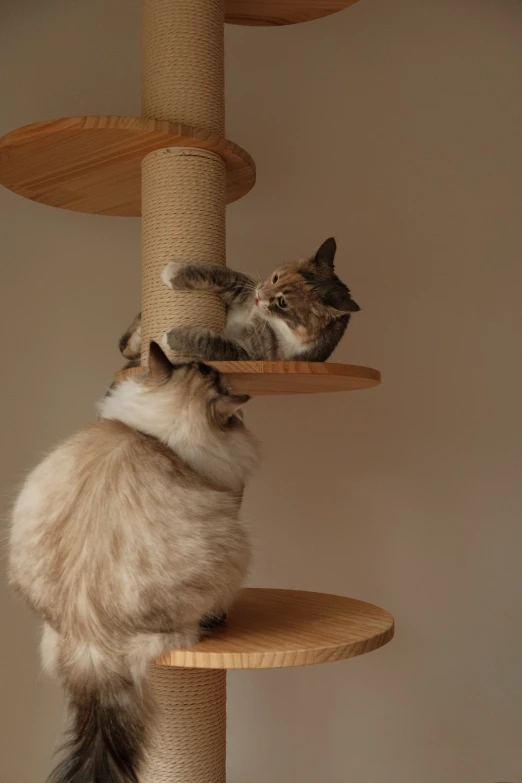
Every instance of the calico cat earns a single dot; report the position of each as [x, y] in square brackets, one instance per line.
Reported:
[300, 312]
[126, 540]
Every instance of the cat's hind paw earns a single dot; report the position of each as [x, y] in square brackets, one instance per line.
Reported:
[212, 621]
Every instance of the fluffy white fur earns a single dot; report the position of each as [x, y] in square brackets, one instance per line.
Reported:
[128, 534]
[228, 461]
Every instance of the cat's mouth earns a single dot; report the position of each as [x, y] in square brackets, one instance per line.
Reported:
[261, 304]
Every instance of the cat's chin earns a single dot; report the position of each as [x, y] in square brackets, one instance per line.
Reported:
[262, 313]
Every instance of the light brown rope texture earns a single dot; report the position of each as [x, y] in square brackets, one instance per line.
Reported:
[183, 219]
[187, 735]
[183, 208]
[183, 62]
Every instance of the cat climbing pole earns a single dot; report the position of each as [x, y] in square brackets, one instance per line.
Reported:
[175, 167]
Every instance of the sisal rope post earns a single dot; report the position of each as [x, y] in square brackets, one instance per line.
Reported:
[183, 219]
[187, 735]
[183, 62]
[183, 189]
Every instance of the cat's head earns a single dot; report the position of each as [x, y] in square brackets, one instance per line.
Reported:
[189, 407]
[307, 294]
[195, 388]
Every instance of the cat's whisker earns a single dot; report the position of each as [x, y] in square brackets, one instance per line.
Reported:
[251, 285]
[260, 328]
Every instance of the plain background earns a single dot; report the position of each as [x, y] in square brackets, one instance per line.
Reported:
[397, 126]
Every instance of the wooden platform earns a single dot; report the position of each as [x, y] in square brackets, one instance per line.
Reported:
[279, 12]
[93, 164]
[269, 629]
[268, 378]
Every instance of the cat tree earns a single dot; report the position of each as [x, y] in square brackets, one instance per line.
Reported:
[174, 166]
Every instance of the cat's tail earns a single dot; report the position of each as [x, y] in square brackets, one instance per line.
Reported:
[105, 740]
[107, 711]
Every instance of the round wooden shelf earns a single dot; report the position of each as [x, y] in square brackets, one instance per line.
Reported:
[266, 378]
[278, 12]
[270, 629]
[93, 164]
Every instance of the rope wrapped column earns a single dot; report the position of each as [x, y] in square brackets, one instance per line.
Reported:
[183, 219]
[183, 189]
[187, 733]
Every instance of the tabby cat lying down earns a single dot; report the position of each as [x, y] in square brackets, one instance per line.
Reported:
[300, 312]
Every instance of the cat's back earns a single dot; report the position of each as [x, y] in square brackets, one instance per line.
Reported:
[108, 474]
[84, 456]
[111, 450]
[88, 475]
[93, 491]
[102, 459]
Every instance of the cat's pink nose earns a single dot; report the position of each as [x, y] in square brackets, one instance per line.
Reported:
[257, 300]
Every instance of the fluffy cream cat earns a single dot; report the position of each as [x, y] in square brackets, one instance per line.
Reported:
[124, 539]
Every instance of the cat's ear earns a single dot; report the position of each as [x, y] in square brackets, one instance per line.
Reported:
[326, 254]
[159, 366]
[341, 303]
[229, 404]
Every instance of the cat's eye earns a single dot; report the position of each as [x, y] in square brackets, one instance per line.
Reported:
[275, 279]
[282, 302]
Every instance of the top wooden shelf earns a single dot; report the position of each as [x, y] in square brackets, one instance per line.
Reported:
[270, 629]
[279, 12]
[93, 164]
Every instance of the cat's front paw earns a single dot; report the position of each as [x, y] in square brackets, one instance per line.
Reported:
[176, 343]
[171, 273]
[171, 340]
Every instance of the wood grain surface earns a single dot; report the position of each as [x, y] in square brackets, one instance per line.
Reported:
[267, 378]
[93, 164]
[278, 12]
[269, 629]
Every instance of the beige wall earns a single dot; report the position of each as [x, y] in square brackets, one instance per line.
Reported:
[396, 126]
